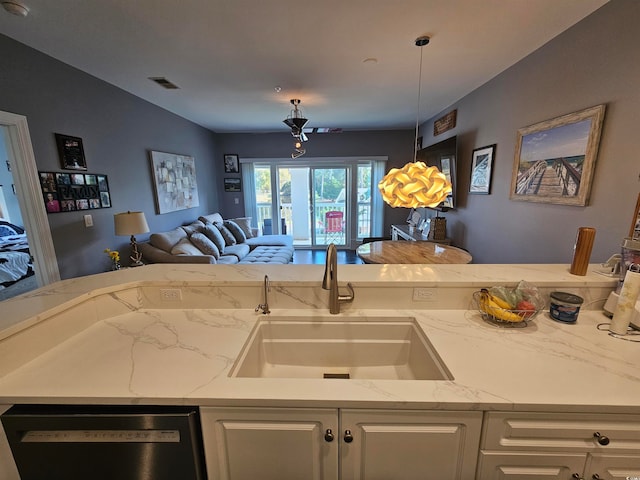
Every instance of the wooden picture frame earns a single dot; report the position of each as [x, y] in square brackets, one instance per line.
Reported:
[231, 163]
[174, 181]
[634, 231]
[482, 169]
[555, 159]
[71, 152]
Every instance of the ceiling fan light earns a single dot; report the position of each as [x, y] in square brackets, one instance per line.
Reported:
[16, 8]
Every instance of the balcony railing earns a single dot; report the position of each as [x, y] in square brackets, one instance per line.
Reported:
[363, 219]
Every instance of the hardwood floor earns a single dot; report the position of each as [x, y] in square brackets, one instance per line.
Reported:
[318, 257]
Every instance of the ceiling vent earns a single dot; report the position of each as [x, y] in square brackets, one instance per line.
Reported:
[163, 82]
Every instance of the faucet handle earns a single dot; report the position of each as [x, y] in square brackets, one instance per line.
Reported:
[350, 297]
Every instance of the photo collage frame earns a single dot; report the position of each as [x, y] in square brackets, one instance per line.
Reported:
[71, 192]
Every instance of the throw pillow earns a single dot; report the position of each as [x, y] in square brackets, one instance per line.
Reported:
[245, 224]
[185, 247]
[205, 245]
[229, 239]
[214, 235]
[236, 231]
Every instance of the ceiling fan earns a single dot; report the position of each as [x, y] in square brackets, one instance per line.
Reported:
[296, 122]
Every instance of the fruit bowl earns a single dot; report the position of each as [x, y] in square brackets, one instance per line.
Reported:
[494, 311]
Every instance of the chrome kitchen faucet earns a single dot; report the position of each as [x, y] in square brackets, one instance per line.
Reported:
[265, 306]
[330, 281]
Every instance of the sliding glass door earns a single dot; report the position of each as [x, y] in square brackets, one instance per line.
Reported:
[329, 206]
[316, 202]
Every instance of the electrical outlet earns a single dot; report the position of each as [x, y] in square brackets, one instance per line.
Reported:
[425, 294]
[88, 221]
[170, 294]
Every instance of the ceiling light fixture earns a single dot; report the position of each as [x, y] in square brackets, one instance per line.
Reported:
[16, 8]
[296, 122]
[415, 185]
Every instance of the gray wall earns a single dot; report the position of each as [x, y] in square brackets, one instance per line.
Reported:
[397, 145]
[117, 130]
[595, 62]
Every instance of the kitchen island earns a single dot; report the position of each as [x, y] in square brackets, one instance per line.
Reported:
[170, 334]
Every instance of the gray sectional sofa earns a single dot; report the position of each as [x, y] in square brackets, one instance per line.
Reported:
[211, 239]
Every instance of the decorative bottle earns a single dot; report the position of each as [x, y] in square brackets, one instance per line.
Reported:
[582, 250]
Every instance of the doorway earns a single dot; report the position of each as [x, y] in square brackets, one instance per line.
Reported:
[317, 202]
[21, 161]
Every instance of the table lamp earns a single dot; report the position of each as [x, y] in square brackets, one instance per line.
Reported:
[131, 223]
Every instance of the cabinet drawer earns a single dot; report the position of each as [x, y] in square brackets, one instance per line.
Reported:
[538, 466]
[566, 431]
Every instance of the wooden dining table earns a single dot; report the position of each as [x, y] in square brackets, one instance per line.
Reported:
[392, 251]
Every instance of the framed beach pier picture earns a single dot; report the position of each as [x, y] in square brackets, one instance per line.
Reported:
[555, 159]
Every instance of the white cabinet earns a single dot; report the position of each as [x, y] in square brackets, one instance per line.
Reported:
[559, 446]
[270, 443]
[410, 444]
[278, 443]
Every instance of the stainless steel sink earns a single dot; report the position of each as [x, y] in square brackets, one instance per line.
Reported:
[323, 347]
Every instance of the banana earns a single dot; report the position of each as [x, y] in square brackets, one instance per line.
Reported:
[489, 306]
[499, 301]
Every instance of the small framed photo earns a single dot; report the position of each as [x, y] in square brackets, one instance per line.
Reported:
[231, 163]
[232, 185]
[51, 202]
[105, 199]
[77, 179]
[63, 179]
[71, 152]
[481, 169]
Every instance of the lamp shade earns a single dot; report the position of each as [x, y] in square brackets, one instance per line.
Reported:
[130, 223]
[414, 186]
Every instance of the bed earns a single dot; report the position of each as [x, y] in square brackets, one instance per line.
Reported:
[15, 259]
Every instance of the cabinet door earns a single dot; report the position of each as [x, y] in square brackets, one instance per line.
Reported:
[270, 444]
[608, 467]
[530, 466]
[409, 445]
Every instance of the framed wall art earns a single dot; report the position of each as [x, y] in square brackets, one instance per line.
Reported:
[232, 185]
[71, 152]
[64, 192]
[174, 181]
[555, 159]
[481, 169]
[231, 164]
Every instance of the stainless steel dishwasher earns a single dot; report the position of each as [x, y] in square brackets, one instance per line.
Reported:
[51, 442]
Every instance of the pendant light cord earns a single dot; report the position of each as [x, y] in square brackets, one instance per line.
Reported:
[420, 42]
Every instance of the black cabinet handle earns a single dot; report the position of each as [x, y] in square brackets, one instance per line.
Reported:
[602, 439]
[328, 435]
[348, 438]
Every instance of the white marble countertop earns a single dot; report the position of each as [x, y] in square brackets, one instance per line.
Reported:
[164, 355]
[64, 294]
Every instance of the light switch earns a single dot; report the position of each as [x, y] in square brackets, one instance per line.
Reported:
[88, 221]
[236, 200]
